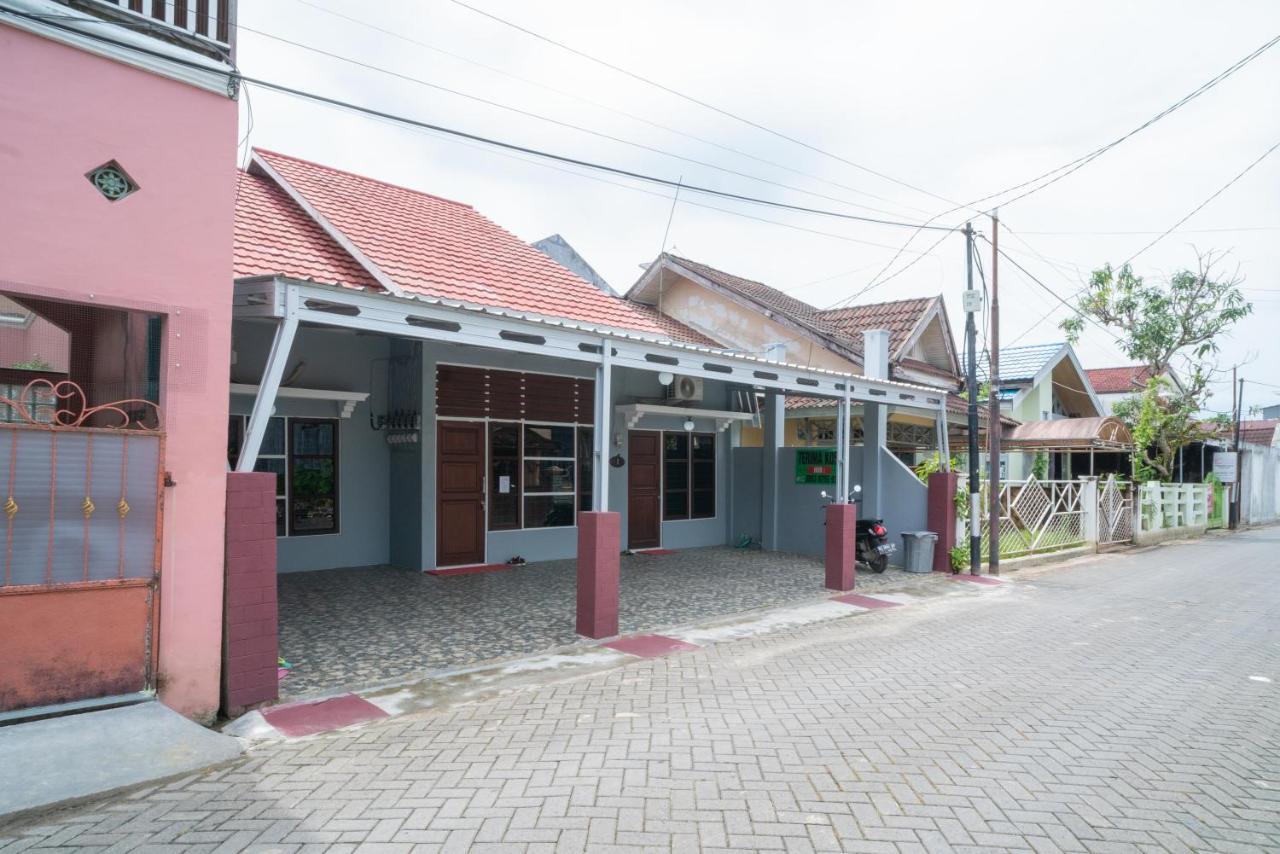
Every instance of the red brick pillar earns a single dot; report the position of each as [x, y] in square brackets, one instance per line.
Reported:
[842, 523]
[249, 626]
[942, 516]
[599, 545]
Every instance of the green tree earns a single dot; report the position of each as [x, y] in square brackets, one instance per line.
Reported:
[1171, 327]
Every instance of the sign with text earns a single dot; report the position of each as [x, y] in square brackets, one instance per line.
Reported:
[1224, 466]
[817, 465]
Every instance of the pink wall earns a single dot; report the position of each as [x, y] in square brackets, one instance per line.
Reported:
[166, 248]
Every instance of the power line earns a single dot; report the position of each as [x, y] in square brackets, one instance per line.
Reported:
[557, 122]
[1225, 229]
[1174, 227]
[1200, 206]
[496, 143]
[694, 100]
[1075, 165]
[599, 105]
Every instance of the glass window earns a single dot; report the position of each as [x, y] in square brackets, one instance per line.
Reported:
[504, 477]
[313, 476]
[547, 441]
[548, 476]
[689, 476]
[548, 511]
[586, 466]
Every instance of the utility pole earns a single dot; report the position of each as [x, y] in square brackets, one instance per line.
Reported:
[993, 400]
[972, 305]
[1237, 401]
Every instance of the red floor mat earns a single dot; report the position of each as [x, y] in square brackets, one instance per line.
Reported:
[865, 601]
[650, 646]
[655, 551]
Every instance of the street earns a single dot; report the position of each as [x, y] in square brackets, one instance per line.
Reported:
[1128, 704]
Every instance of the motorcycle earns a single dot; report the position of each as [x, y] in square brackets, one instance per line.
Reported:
[871, 538]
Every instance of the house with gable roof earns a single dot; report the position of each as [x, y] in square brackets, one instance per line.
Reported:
[435, 394]
[918, 347]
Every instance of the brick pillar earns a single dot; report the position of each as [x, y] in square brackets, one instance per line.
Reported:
[249, 623]
[942, 516]
[842, 523]
[599, 545]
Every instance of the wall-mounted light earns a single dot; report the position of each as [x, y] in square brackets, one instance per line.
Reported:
[666, 378]
[689, 425]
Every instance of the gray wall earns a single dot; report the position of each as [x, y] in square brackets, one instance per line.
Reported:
[337, 360]
[800, 506]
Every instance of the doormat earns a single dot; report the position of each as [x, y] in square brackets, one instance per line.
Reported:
[655, 551]
[470, 570]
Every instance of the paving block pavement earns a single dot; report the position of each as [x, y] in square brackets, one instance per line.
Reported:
[1116, 706]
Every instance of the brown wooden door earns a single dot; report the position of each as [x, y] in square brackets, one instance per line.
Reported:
[644, 489]
[459, 493]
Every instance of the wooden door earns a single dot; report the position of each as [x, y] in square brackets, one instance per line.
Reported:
[644, 489]
[459, 493]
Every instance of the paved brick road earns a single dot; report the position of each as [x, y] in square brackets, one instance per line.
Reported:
[1109, 707]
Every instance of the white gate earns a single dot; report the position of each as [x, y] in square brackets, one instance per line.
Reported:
[1115, 512]
[1036, 516]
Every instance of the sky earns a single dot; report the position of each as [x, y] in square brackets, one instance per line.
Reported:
[893, 111]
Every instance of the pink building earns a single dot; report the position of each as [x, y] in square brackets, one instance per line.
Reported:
[119, 157]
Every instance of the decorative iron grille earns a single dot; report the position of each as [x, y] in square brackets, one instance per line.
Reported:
[1036, 516]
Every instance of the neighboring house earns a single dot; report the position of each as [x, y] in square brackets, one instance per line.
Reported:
[1042, 382]
[558, 249]
[119, 157]
[1113, 385]
[1270, 412]
[1258, 432]
[752, 317]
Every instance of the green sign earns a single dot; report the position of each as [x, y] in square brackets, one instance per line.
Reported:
[816, 465]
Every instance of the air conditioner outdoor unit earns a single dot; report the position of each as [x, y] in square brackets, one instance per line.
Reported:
[685, 388]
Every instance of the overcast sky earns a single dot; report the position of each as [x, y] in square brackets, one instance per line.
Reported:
[957, 100]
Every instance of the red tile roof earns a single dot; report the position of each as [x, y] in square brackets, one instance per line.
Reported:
[1259, 432]
[425, 244]
[273, 237]
[1125, 379]
[899, 317]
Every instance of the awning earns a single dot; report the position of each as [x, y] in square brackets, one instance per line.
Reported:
[1106, 433]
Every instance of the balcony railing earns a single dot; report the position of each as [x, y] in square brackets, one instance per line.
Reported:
[204, 25]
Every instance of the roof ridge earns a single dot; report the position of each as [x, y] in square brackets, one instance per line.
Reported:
[361, 177]
[859, 306]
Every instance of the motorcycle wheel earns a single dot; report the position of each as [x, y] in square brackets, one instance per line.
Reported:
[879, 563]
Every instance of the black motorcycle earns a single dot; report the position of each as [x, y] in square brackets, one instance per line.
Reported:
[872, 546]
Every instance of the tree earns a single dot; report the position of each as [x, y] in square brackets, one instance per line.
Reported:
[1171, 328]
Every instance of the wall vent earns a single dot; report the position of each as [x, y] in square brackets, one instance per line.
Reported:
[112, 181]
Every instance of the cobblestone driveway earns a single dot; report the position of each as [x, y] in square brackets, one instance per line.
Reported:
[1115, 706]
[351, 628]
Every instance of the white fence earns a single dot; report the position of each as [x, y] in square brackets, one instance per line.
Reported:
[1167, 510]
[1038, 516]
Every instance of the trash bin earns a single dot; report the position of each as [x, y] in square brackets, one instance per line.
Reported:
[917, 550]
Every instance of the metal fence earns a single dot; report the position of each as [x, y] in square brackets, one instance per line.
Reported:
[1036, 516]
[81, 503]
[1115, 511]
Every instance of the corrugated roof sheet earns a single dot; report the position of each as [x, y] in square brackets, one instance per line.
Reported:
[1019, 363]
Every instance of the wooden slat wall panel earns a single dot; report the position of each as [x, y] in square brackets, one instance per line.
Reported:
[463, 392]
[549, 398]
[506, 394]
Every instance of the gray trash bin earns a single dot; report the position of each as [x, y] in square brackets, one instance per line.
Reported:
[917, 550]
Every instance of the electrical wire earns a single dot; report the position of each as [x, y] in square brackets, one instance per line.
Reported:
[557, 122]
[697, 101]
[1077, 164]
[490, 141]
[598, 104]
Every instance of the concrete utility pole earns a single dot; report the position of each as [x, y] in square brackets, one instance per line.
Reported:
[1237, 406]
[972, 305]
[993, 400]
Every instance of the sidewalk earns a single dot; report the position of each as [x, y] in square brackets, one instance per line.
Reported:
[62, 760]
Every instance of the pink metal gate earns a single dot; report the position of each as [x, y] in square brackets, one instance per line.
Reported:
[81, 489]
